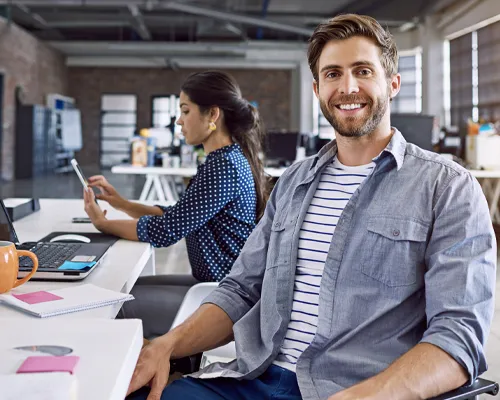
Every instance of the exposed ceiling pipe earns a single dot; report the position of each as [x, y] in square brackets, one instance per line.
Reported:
[139, 25]
[265, 6]
[226, 16]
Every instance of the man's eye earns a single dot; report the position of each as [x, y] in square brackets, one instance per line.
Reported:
[332, 74]
[365, 72]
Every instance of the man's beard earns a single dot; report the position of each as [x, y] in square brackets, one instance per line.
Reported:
[356, 126]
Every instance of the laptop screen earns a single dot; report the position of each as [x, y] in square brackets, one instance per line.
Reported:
[7, 231]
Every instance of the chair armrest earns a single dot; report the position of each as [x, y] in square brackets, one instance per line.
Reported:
[186, 365]
[480, 386]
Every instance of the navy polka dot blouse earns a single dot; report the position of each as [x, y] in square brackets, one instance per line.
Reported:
[216, 214]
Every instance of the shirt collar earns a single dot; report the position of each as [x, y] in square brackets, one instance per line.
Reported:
[396, 148]
[223, 150]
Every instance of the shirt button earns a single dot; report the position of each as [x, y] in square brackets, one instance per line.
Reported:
[276, 225]
[396, 232]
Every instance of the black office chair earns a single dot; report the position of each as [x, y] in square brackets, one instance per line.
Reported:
[472, 392]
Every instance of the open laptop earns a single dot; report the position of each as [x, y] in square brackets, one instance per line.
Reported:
[52, 256]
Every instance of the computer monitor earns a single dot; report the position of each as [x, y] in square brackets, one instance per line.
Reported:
[415, 128]
[281, 148]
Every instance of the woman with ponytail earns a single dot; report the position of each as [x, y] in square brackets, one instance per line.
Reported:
[218, 210]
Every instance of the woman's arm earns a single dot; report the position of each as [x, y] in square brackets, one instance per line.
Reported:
[125, 229]
[137, 210]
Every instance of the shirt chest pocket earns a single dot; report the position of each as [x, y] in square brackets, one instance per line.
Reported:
[393, 251]
[276, 240]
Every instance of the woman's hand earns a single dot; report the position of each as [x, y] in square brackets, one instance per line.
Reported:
[96, 215]
[108, 192]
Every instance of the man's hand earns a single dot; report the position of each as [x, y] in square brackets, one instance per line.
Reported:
[96, 215]
[153, 367]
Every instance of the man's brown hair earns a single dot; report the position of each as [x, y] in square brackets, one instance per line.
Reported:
[346, 26]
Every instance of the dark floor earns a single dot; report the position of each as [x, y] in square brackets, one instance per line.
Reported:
[67, 186]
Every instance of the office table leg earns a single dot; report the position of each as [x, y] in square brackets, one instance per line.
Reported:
[491, 189]
[146, 188]
[149, 268]
[494, 211]
[160, 194]
[168, 186]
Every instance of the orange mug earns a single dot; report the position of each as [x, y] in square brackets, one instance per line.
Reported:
[9, 266]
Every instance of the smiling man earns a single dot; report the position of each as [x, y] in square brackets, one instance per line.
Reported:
[371, 274]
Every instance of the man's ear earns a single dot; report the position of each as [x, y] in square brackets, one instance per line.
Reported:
[316, 88]
[395, 85]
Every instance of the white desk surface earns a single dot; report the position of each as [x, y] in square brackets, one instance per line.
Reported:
[108, 350]
[119, 270]
[182, 172]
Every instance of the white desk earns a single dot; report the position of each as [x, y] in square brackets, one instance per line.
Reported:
[161, 181]
[491, 188]
[123, 264]
[108, 351]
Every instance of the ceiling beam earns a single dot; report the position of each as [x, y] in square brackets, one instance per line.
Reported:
[35, 19]
[89, 24]
[38, 22]
[458, 12]
[138, 23]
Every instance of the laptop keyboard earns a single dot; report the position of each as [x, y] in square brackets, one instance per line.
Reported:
[50, 255]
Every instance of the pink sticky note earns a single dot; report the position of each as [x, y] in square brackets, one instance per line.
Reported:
[48, 364]
[36, 297]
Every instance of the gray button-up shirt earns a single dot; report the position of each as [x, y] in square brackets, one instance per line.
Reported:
[412, 260]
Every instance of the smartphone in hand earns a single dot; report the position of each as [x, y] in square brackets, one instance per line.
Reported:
[80, 174]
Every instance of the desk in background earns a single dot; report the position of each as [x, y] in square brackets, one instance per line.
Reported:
[161, 181]
[123, 264]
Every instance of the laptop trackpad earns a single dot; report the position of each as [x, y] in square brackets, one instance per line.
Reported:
[83, 258]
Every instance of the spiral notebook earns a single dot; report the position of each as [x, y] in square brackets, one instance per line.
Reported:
[63, 301]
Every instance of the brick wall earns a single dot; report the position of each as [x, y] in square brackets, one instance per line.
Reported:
[37, 69]
[270, 88]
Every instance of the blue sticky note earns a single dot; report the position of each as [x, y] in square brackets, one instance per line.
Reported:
[70, 265]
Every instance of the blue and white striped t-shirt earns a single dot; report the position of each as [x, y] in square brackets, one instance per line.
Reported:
[336, 186]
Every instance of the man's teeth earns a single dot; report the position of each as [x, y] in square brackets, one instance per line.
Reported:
[349, 106]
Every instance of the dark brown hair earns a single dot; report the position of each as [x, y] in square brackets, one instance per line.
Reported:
[346, 26]
[219, 89]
